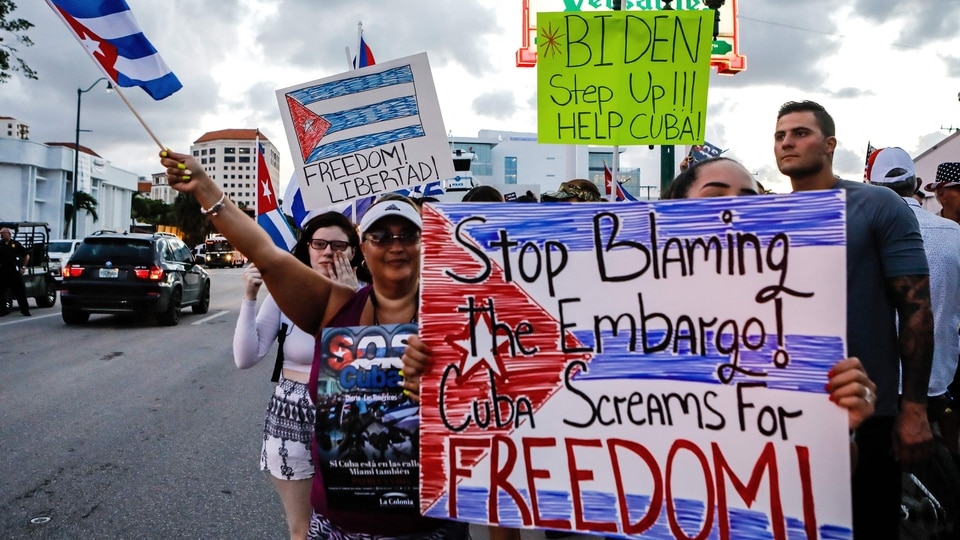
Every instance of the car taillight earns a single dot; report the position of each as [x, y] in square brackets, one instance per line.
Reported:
[71, 271]
[154, 273]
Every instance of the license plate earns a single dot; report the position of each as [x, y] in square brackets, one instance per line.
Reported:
[109, 272]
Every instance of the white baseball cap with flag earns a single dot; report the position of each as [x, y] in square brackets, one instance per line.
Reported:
[389, 208]
[891, 166]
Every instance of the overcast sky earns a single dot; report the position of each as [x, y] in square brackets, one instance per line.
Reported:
[888, 71]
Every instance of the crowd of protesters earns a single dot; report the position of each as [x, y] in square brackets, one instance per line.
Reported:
[903, 313]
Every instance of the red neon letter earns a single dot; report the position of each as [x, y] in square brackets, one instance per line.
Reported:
[671, 511]
[656, 498]
[499, 479]
[456, 472]
[583, 475]
[748, 493]
[533, 474]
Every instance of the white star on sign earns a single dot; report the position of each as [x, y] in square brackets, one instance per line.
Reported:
[485, 346]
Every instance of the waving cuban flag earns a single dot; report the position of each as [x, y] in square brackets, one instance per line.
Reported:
[112, 36]
[268, 214]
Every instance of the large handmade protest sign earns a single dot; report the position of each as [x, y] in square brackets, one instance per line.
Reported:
[366, 132]
[646, 369]
[623, 78]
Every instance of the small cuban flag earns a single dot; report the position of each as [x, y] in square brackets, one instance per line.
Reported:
[269, 216]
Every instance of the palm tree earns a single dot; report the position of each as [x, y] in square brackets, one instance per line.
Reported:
[81, 201]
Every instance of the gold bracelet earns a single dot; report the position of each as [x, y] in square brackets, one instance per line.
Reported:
[217, 206]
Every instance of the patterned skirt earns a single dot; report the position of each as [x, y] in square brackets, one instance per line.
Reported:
[322, 528]
[288, 432]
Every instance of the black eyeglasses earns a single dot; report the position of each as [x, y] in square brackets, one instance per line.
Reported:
[336, 245]
[384, 238]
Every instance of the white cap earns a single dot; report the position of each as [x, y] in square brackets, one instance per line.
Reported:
[386, 209]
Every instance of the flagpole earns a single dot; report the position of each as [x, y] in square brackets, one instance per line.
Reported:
[256, 176]
[139, 118]
[356, 65]
[616, 168]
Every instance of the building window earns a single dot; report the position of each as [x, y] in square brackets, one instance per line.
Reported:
[203, 152]
[229, 159]
[203, 161]
[213, 159]
[510, 170]
[244, 159]
[229, 150]
[244, 150]
[213, 151]
[196, 153]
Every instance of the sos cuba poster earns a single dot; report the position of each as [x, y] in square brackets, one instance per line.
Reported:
[649, 370]
[366, 428]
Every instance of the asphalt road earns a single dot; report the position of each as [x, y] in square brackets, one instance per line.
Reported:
[125, 429]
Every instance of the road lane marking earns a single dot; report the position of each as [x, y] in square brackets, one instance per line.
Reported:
[210, 318]
[25, 319]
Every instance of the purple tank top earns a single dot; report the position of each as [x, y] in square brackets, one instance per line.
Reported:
[358, 522]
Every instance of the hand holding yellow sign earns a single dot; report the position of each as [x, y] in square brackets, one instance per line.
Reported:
[623, 78]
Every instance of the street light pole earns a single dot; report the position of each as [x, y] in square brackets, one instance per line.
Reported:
[76, 154]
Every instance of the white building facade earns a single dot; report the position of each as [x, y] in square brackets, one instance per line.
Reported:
[37, 183]
[229, 156]
[510, 157]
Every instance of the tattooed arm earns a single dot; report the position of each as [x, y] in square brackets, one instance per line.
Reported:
[911, 296]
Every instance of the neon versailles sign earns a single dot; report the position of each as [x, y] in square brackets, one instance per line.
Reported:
[726, 48]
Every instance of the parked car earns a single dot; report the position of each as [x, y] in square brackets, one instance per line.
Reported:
[59, 252]
[133, 272]
[39, 280]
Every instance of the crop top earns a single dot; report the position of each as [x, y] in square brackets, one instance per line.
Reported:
[256, 333]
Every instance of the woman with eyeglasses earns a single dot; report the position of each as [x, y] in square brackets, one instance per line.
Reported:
[390, 243]
[327, 245]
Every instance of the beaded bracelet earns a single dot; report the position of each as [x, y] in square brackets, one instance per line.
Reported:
[217, 206]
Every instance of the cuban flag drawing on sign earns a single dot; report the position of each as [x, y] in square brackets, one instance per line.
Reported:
[111, 35]
[390, 104]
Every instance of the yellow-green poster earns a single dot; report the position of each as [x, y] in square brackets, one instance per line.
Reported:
[623, 78]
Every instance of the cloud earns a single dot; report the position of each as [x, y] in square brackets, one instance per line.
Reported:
[953, 65]
[848, 164]
[498, 104]
[928, 141]
[802, 34]
[304, 32]
[850, 92]
[922, 22]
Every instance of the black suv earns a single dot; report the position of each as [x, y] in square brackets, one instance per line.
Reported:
[132, 272]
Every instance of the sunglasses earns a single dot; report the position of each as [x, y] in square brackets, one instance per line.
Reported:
[336, 245]
[384, 238]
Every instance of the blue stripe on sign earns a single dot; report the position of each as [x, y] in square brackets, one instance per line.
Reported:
[345, 87]
[133, 46]
[85, 9]
[390, 109]
[364, 142]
